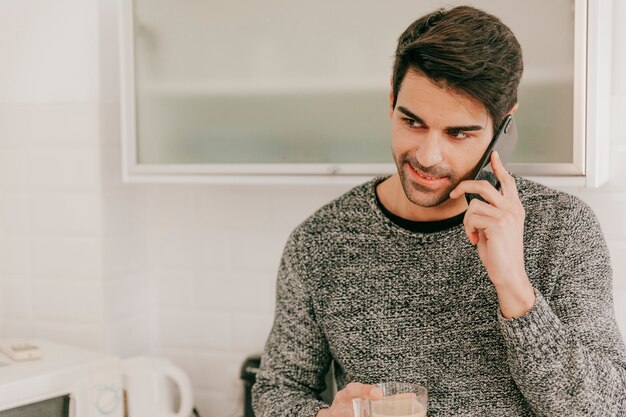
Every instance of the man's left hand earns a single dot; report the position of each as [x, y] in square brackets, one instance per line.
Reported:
[497, 229]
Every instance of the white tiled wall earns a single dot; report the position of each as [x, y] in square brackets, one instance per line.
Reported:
[185, 270]
[51, 280]
[73, 244]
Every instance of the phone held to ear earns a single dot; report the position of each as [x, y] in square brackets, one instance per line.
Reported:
[503, 141]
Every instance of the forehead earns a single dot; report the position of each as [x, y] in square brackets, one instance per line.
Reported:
[437, 104]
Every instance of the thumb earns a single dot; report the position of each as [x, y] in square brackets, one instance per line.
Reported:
[375, 393]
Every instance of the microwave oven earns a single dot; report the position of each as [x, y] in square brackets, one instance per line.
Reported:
[66, 381]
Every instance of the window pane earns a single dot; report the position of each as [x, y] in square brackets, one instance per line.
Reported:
[294, 81]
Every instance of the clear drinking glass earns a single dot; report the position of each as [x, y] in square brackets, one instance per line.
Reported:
[400, 399]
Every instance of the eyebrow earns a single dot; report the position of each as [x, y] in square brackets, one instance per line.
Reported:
[418, 119]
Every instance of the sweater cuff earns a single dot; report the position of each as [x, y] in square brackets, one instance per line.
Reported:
[538, 333]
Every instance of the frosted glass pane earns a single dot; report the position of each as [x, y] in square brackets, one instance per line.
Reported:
[293, 81]
[266, 128]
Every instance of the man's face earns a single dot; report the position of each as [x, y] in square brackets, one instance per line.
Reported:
[438, 138]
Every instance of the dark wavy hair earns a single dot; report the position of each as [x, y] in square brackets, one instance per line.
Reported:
[464, 49]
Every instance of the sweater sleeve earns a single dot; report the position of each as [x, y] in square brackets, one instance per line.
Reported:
[566, 354]
[296, 356]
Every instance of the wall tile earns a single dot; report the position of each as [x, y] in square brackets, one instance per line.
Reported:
[124, 255]
[190, 328]
[216, 249]
[16, 297]
[49, 126]
[176, 288]
[618, 167]
[64, 170]
[56, 62]
[110, 124]
[186, 249]
[178, 207]
[73, 124]
[250, 332]
[619, 48]
[89, 336]
[128, 296]
[236, 208]
[11, 116]
[256, 251]
[14, 170]
[17, 327]
[15, 255]
[124, 210]
[618, 121]
[180, 250]
[67, 257]
[234, 291]
[111, 169]
[14, 216]
[130, 336]
[67, 213]
[68, 301]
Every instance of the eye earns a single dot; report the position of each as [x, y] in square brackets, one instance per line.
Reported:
[458, 134]
[411, 123]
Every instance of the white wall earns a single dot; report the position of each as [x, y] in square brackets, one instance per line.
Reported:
[185, 270]
[73, 244]
[51, 203]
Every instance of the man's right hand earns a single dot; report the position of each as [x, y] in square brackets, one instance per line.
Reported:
[342, 403]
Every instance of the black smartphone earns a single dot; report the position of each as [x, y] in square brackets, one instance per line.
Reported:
[504, 141]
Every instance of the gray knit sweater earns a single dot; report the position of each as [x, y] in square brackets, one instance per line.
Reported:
[388, 304]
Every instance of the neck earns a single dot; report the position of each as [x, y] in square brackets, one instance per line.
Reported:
[392, 196]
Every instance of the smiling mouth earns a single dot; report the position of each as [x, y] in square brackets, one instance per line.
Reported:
[425, 183]
[426, 176]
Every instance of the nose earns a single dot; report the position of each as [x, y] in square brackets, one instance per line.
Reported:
[429, 152]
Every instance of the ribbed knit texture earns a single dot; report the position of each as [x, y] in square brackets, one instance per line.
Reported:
[388, 304]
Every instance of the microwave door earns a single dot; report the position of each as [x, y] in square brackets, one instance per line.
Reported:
[52, 407]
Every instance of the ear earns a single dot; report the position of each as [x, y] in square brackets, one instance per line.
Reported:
[514, 109]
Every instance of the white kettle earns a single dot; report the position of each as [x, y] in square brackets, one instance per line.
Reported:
[149, 383]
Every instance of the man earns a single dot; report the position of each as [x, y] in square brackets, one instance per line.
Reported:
[499, 308]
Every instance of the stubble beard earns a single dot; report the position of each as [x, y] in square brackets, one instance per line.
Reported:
[420, 195]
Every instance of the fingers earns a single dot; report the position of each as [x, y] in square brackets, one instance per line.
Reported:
[375, 393]
[507, 182]
[487, 190]
[475, 226]
[484, 219]
[484, 188]
[346, 400]
[358, 390]
[482, 208]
